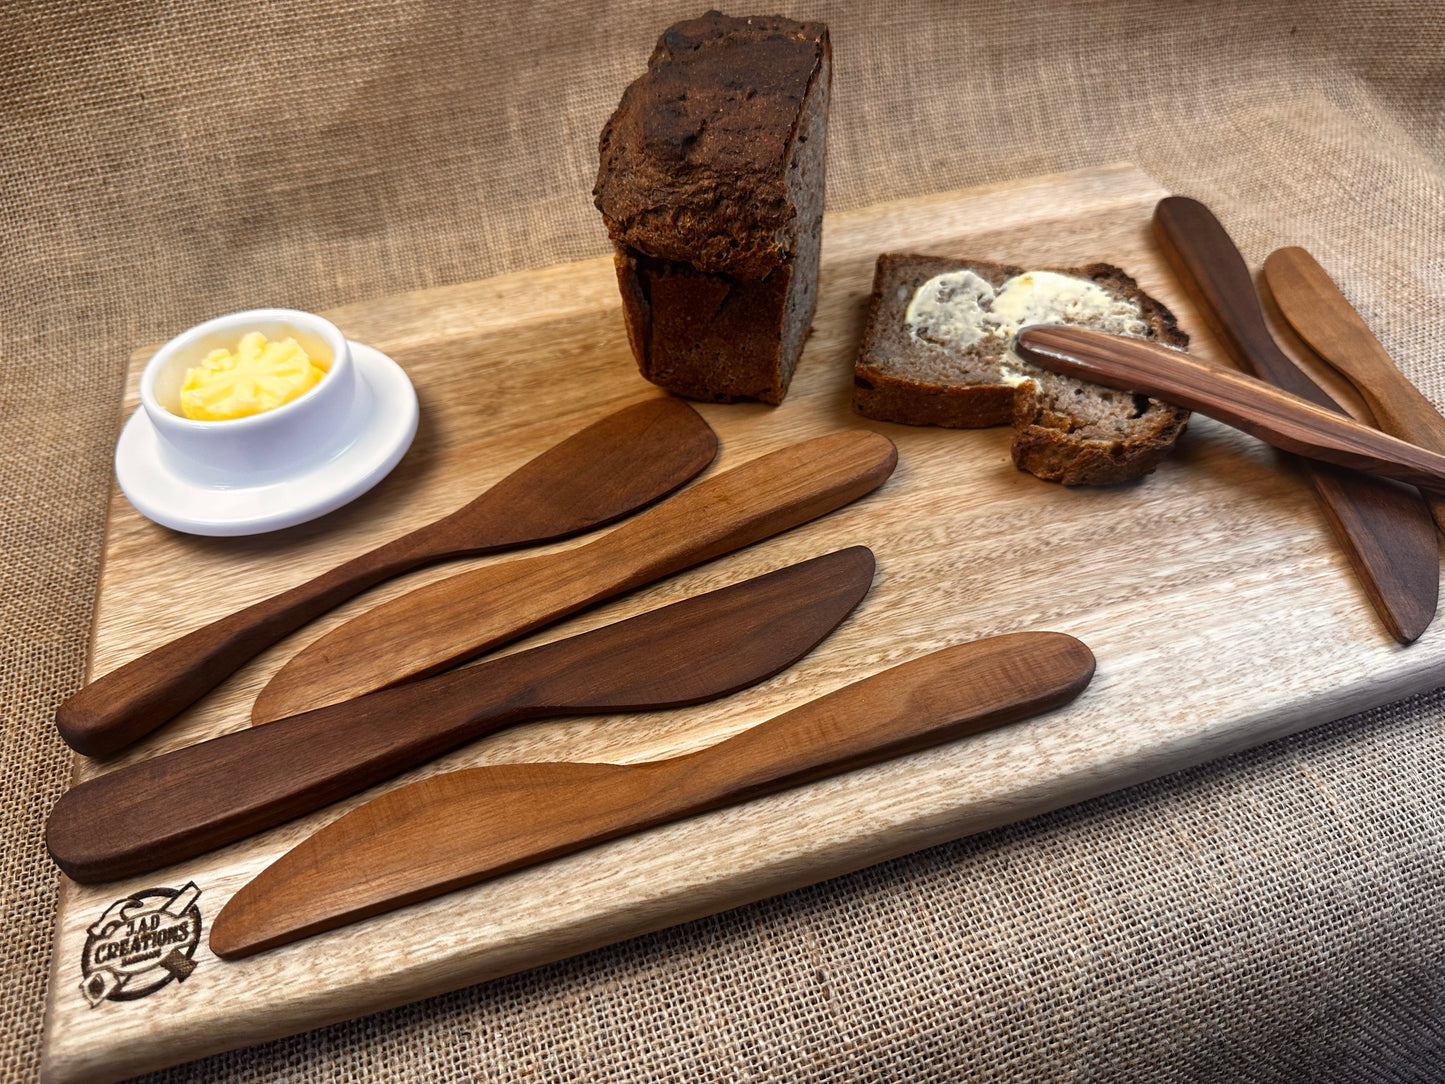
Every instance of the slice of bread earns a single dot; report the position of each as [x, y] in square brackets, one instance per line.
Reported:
[936, 351]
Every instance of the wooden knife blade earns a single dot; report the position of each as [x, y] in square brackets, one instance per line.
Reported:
[1384, 526]
[180, 804]
[443, 623]
[1324, 318]
[455, 829]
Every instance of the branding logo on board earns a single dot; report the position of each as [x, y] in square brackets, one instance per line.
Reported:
[141, 943]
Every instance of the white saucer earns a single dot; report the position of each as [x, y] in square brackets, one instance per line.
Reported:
[386, 410]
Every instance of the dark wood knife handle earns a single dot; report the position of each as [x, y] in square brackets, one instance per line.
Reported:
[122, 706]
[189, 801]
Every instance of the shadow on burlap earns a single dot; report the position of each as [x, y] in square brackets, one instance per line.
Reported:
[1273, 917]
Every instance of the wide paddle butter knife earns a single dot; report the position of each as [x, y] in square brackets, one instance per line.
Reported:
[607, 470]
[1324, 318]
[183, 803]
[1384, 528]
[433, 627]
[454, 829]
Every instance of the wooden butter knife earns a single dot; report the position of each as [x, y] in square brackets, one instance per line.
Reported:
[436, 626]
[1324, 318]
[1385, 528]
[184, 803]
[610, 469]
[1283, 420]
[452, 830]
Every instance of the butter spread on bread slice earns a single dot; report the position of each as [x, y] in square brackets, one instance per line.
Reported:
[937, 350]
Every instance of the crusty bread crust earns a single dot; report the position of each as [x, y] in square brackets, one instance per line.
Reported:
[1066, 430]
[713, 338]
[710, 179]
[694, 164]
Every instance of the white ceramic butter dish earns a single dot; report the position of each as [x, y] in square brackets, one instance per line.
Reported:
[274, 469]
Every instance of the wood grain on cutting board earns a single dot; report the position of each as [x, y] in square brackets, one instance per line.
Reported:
[1212, 594]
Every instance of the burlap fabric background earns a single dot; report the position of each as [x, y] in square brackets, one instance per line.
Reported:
[1276, 916]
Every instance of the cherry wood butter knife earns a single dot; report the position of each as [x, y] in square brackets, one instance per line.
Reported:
[451, 830]
[608, 470]
[158, 811]
[1324, 318]
[443, 623]
[1276, 417]
[1384, 527]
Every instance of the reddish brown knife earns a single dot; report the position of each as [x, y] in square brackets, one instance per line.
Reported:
[454, 829]
[1323, 317]
[180, 804]
[1249, 404]
[1385, 527]
[443, 623]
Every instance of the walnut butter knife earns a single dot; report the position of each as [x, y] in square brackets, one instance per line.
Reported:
[451, 830]
[1384, 528]
[443, 623]
[181, 804]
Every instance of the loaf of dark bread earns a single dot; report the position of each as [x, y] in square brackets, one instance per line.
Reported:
[952, 365]
[710, 180]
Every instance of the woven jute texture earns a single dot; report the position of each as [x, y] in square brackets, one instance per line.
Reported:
[1273, 917]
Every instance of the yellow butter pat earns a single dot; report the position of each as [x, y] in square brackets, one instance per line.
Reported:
[259, 376]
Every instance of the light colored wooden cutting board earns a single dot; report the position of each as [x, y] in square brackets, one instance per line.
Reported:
[1212, 593]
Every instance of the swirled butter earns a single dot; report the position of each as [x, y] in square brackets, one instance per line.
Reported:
[260, 375]
[959, 310]
[951, 309]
